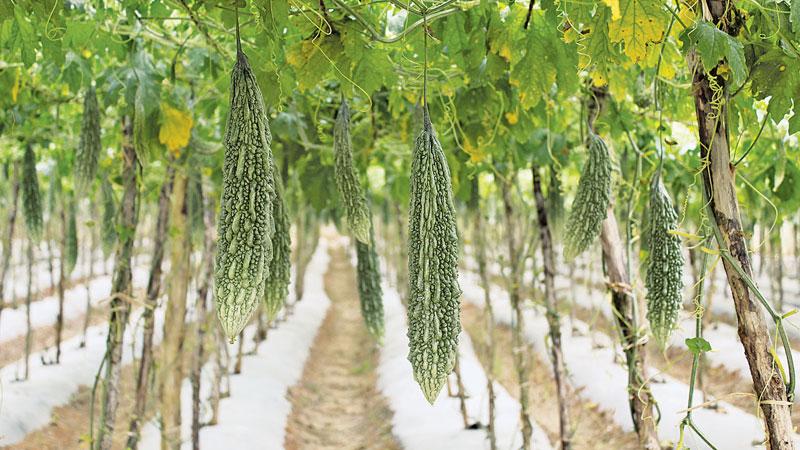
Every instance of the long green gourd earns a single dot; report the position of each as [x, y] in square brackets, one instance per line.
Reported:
[370, 293]
[590, 206]
[31, 197]
[276, 287]
[356, 209]
[433, 304]
[194, 204]
[109, 229]
[245, 226]
[89, 145]
[664, 280]
[71, 241]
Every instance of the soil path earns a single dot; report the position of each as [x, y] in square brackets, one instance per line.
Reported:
[336, 404]
[593, 428]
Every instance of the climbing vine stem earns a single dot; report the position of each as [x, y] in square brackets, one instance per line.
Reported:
[697, 348]
[776, 318]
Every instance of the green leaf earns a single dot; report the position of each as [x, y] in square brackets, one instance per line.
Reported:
[698, 345]
[794, 121]
[794, 15]
[773, 77]
[715, 45]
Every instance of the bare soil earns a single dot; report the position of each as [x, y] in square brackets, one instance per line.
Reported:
[336, 404]
[592, 427]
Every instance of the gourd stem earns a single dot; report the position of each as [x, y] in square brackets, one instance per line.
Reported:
[425, 66]
[238, 38]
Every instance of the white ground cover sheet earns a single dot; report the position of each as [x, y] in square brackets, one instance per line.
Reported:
[595, 367]
[419, 425]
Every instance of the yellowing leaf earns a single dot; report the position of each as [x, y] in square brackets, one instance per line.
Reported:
[687, 18]
[512, 117]
[475, 155]
[176, 128]
[642, 22]
[16, 86]
[614, 5]
[505, 52]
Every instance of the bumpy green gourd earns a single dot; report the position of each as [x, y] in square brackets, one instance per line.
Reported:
[664, 280]
[369, 287]
[109, 229]
[433, 304]
[642, 94]
[89, 145]
[350, 192]
[139, 123]
[591, 201]
[194, 204]
[54, 193]
[31, 198]
[276, 287]
[245, 224]
[556, 212]
[71, 240]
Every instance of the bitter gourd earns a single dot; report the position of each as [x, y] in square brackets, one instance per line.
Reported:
[276, 287]
[71, 239]
[591, 201]
[664, 280]
[555, 204]
[433, 304]
[31, 197]
[245, 224]
[109, 228]
[369, 286]
[358, 216]
[89, 145]
[194, 204]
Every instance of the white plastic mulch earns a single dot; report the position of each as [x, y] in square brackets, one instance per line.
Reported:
[256, 413]
[419, 425]
[596, 370]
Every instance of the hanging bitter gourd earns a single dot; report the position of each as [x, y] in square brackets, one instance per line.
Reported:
[555, 203]
[276, 287]
[71, 240]
[369, 286]
[591, 201]
[245, 224]
[664, 280]
[356, 209]
[89, 145]
[109, 229]
[31, 197]
[194, 204]
[433, 304]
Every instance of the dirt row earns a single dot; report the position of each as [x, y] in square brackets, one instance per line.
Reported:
[336, 404]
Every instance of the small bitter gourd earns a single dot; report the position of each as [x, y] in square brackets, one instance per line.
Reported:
[555, 203]
[109, 228]
[369, 287]
[89, 145]
[433, 304]
[276, 287]
[71, 240]
[664, 279]
[590, 206]
[194, 204]
[245, 224]
[31, 197]
[350, 192]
